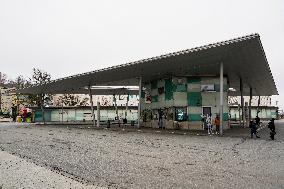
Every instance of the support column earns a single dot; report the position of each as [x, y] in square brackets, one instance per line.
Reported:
[258, 103]
[75, 115]
[62, 112]
[126, 106]
[239, 110]
[250, 98]
[242, 103]
[98, 113]
[115, 105]
[139, 105]
[42, 107]
[92, 106]
[221, 97]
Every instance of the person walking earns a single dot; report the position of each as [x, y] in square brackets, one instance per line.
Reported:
[257, 121]
[209, 124]
[253, 129]
[217, 124]
[271, 126]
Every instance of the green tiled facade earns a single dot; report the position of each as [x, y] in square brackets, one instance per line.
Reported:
[185, 92]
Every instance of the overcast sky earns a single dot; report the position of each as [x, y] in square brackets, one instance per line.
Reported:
[70, 37]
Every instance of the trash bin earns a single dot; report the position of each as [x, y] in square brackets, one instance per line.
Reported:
[132, 123]
[19, 119]
[28, 119]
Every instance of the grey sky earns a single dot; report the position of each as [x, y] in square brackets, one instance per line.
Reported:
[70, 37]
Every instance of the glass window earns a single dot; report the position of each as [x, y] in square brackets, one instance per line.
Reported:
[180, 114]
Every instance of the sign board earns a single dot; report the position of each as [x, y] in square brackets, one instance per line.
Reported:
[205, 88]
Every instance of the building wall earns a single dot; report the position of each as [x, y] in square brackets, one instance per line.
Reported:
[6, 101]
[263, 101]
[55, 115]
[182, 92]
[105, 100]
[265, 113]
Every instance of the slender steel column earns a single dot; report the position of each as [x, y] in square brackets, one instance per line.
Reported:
[126, 106]
[258, 103]
[92, 105]
[139, 105]
[62, 111]
[115, 105]
[242, 103]
[250, 98]
[42, 107]
[239, 110]
[98, 113]
[221, 97]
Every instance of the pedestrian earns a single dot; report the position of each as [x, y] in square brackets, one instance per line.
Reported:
[257, 121]
[217, 124]
[160, 118]
[271, 126]
[24, 115]
[209, 124]
[253, 129]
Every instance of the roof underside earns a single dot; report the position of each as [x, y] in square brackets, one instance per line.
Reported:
[242, 57]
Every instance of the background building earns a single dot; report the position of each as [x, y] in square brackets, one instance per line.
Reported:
[6, 100]
[261, 106]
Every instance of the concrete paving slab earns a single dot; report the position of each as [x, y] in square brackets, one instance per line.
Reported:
[16, 172]
[120, 159]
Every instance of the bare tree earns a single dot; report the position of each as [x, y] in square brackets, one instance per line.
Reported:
[39, 77]
[71, 100]
[3, 79]
[20, 82]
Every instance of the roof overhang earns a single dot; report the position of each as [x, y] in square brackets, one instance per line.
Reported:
[242, 57]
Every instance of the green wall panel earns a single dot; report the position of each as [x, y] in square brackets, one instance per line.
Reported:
[168, 89]
[194, 117]
[180, 88]
[194, 99]
[155, 98]
[273, 114]
[142, 94]
[193, 80]
[217, 87]
[154, 84]
[225, 116]
[38, 115]
[79, 116]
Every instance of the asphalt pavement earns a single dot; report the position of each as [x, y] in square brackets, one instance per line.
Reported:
[137, 159]
[279, 127]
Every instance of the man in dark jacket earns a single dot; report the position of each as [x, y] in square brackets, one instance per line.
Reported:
[271, 126]
[257, 121]
[253, 129]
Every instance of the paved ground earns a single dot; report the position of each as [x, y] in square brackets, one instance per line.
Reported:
[16, 172]
[122, 159]
[264, 134]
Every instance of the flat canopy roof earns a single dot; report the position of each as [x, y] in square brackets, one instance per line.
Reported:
[242, 57]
